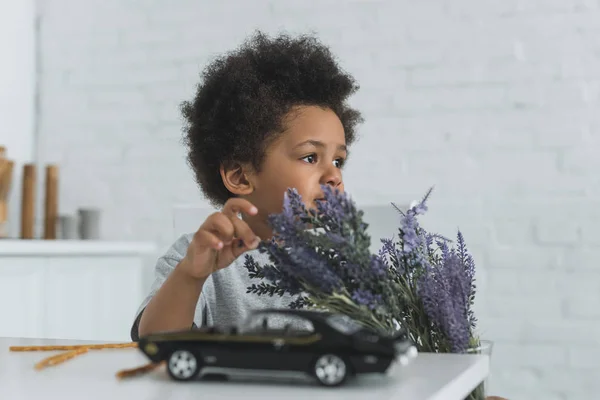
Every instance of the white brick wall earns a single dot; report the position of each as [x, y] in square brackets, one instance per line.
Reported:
[17, 93]
[494, 102]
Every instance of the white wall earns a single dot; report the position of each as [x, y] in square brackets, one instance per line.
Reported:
[494, 102]
[17, 92]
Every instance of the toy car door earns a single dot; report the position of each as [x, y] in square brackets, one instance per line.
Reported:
[293, 343]
[247, 347]
[275, 342]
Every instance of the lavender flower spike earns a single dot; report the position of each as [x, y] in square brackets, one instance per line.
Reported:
[444, 292]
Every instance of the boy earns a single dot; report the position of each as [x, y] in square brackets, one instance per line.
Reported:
[269, 116]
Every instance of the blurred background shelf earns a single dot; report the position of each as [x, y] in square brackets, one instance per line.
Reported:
[17, 247]
[71, 289]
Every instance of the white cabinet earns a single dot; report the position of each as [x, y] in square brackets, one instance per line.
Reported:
[83, 290]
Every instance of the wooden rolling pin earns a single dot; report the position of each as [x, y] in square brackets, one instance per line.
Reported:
[51, 202]
[28, 202]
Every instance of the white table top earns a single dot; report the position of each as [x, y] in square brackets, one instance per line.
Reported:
[92, 376]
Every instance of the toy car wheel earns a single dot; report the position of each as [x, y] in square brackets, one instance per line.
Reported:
[183, 365]
[330, 370]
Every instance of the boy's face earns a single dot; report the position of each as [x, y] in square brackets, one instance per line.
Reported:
[308, 154]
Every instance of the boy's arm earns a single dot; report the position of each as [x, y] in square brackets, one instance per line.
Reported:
[167, 284]
[222, 238]
[173, 307]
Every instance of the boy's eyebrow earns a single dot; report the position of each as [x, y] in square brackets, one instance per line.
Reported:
[318, 143]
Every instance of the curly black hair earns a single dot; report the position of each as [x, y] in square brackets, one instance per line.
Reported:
[241, 102]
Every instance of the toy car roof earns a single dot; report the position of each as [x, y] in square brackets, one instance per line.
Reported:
[313, 315]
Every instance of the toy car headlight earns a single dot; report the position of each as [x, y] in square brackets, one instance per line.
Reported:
[151, 348]
[406, 352]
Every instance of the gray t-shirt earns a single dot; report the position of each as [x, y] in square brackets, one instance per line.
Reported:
[223, 300]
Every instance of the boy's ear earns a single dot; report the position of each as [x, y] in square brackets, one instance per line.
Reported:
[236, 178]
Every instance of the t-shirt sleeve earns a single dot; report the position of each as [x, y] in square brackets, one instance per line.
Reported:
[164, 266]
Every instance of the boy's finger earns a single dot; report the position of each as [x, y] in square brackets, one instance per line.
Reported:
[244, 233]
[236, 205]
[208, 239]
[221, 226]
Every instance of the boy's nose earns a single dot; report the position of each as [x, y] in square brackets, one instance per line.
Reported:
[333, 178]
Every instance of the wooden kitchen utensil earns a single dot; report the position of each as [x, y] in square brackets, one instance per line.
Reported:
[28, 202]
[6, 169]
[51, 202]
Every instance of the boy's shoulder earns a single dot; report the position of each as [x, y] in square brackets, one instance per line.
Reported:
[179, 247]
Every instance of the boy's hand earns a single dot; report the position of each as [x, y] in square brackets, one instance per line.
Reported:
[220, 240]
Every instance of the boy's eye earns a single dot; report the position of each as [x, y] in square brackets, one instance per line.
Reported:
[310, 158]
[339, 163]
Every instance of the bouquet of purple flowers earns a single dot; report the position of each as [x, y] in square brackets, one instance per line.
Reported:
[418, 281]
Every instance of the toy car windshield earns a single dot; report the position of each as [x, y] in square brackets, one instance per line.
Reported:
[343, 324]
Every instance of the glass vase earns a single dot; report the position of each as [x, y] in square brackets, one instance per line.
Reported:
[485, 348]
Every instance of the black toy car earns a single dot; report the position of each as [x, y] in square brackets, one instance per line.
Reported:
[328, 346]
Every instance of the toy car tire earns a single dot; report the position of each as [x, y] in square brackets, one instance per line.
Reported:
[330, 370]
[183, 365]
